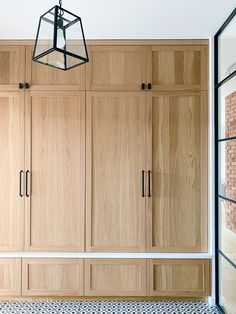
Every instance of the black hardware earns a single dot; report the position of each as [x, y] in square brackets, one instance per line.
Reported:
[21, 86]
[149, 183]
[143, 179]
[27, 86]
[27, 183]
[143, 85]
[149, 86]
[20, 184]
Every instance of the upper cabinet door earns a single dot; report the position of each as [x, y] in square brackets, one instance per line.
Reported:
[55, 159]
[43, 77]
[116, 68]
[178, 209]
[11, 170]
[12, 66]
[178, 67]
[115, 158]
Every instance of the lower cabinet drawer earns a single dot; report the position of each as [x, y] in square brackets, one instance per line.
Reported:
[52, 277]
[10, 277]
[115, 277]
[178, 277]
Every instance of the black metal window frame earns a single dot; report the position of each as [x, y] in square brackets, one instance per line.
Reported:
[217, 85]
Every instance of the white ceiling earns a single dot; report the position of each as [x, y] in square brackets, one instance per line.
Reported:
[122, 19]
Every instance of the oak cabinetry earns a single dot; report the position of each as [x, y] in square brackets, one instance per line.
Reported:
[55, 157]
[11, 168]
[177, 209]
[182, 67]
[12, 65]
[10, 277]
[116, 67]
[178, 277]
[45, 78]
[115, 157]
[52, 277]
[115, 277]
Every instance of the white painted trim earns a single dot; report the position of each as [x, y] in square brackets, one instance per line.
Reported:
[104, 255]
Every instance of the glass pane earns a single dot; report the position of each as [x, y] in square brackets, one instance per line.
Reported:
[227, 48]
[55, 58]
[227, 229]
[227, 280]
[227, 169]
[45, 36]
[227, 109]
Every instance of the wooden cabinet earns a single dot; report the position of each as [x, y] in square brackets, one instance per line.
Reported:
[52, 277]
[115, 277]
[41, 77]
[55, 157]
[12, 67]
[116, 68]
[178, 209]
[115, 157]
[177, 67]
[11, 165]
[10, 277]
[178, 277]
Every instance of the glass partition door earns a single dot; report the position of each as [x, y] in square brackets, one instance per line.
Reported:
[225, 126]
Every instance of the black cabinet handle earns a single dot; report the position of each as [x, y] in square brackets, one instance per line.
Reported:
[143, 85]
[27, 183]
[21, 193]
[21, 86]
[149, 183]
[149, 86]
[143, 183]
[27, 85]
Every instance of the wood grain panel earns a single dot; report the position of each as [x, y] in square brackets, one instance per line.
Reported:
[116, 68]
[52, 277]
[178, 67]
[115, 277]
[12, 162]
[10, 277]
[55, 155]
[12, 65]
[178, 210]
[179, 277]
[42, 77]
[115, 158]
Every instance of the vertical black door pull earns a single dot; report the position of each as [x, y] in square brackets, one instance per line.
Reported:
[21, 193]
[27, 86]
[143, 183]
[27, 183]
[149, 183]
[21, 86]
[143, 85]
[149, 86]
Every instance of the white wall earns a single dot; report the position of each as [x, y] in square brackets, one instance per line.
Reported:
[125, 19]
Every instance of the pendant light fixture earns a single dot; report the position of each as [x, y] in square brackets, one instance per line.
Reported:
[60, 41]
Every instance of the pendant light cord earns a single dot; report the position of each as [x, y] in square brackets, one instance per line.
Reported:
[61, 11]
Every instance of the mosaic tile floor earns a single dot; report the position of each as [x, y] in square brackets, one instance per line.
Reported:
[105, 307]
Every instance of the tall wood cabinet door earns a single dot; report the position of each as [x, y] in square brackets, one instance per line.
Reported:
[115, 157]
[11, 168]
[178, 67]
[10, 275]
[42, 77]
[55, 158]
[116, 68]
[178, 209]
[12, 65]
[52, 277]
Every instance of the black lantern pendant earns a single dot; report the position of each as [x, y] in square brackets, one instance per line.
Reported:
[60, 41]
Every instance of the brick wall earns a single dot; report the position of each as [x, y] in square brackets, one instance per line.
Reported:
[230, 160]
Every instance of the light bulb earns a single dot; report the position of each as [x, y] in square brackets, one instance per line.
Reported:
[60, 39]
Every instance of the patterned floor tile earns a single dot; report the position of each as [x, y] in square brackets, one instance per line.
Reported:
[105, 307]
